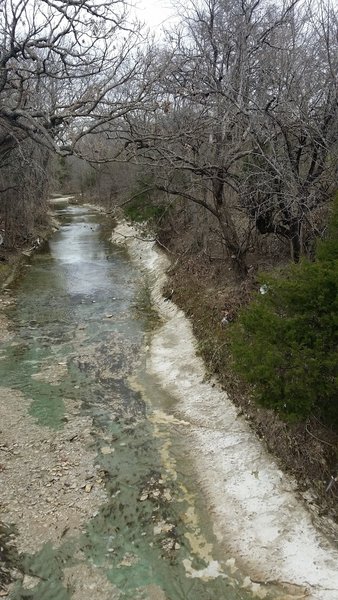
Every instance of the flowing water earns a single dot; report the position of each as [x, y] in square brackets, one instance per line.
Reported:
[80, 302]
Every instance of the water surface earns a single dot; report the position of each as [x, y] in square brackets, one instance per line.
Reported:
[82, 304]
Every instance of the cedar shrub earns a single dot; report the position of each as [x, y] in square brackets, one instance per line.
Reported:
[286, 341]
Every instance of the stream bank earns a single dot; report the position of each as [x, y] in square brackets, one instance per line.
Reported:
[12, 259]
[255, 507]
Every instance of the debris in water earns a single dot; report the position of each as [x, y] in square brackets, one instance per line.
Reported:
[167, 495]
[128, 560]
[107, 450]
[163, 527]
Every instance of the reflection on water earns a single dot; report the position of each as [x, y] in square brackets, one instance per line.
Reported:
[76, 308]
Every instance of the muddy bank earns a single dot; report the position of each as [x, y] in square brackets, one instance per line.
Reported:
[255, 506]
[12, 259]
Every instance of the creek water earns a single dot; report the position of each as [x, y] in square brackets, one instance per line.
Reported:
[81, 302]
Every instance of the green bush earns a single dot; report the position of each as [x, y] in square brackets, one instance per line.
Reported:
[139, 211]
[286, 341]
[143, 206]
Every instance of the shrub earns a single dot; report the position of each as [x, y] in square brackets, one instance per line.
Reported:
[286, 341]
[143, 206]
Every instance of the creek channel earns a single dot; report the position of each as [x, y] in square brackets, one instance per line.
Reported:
[81, 303]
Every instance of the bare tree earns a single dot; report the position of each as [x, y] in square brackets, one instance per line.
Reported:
[244, 115]
[291, 170]
[24, 184]
[200, 131]
[66, 69]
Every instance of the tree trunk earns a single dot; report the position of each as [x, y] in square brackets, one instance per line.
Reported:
[296, 240]
[232, 243]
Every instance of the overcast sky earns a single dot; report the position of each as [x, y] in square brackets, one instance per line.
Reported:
[154, 12]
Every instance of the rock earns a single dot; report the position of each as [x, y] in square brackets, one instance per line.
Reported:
[107, 450]
[30, 582]
[167, 495]
[128, 560]
[163, 527]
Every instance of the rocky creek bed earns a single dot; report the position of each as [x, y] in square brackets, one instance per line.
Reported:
[98, 492]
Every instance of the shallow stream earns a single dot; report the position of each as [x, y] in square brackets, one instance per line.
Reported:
[81, 303]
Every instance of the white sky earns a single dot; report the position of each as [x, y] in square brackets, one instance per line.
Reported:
[154, 12]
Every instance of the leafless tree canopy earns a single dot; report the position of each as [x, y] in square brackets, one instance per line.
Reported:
[234, 111]
[63, 65]
[245, 122]
[67, 68]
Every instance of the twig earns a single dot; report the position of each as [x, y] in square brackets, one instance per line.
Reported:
[332, 483]
[318, 439]
[149, 189]
[163, 246]
[152, 240]
[135, 237]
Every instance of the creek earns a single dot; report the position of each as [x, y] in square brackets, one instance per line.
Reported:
[81, 303]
